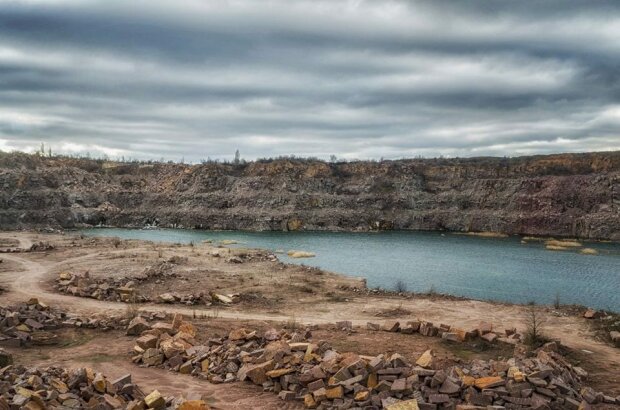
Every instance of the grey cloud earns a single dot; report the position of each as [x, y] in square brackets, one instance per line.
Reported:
[359, 79]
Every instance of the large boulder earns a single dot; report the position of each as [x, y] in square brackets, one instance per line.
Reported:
[256, 372]
[137, 326]
[167, 298]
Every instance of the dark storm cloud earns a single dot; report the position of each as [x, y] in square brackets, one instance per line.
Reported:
[358, 79]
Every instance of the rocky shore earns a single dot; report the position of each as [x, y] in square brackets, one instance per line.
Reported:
[563, 195]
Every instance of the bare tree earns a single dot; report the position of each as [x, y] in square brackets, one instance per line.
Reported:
[534, 336]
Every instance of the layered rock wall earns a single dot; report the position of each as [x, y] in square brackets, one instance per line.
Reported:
[572, 195]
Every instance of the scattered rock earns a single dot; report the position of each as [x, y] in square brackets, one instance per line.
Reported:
[33, 323]
[58, 388]
[137, 326]
[426, 360]
[592, 314]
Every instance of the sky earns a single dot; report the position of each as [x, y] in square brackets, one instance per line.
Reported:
[192, 79]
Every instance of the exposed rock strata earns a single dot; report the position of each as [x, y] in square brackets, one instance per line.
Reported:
[572, 195]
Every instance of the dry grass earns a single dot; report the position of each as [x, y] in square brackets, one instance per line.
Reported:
[563, 244]
[131, 310]
[292, 324]
[535, 238]
[398, 311]
[300, 254]
[556, 248]
[588, 251]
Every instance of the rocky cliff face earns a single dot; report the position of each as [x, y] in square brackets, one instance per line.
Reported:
[561, 195]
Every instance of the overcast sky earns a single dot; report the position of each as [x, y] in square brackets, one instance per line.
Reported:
[359, 79]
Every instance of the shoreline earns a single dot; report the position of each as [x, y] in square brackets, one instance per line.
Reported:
[478, 234]
[369, 291]
[327, 302]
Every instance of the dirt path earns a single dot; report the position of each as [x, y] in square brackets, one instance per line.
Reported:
[113, 362]
[466, 313]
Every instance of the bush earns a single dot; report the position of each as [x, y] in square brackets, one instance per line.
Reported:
[400, 286]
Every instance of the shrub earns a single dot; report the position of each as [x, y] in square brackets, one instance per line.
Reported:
[556, 301]
[400, 286]
[534, 336]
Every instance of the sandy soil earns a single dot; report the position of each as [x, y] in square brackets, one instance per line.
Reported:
[30, 274]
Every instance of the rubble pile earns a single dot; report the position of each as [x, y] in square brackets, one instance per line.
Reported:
[35, 247]
[450, 333]
[256, 255]
[297, 369]
[118, 290]
[33, 323]
[125, 289]
[161, 270]
[58, 388]
[608, 321]
[40, 247]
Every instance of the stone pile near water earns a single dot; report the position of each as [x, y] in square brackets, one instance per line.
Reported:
[126, 289]
[57, 388]
[298, 369]
[202, 298]
[118, 290]
[484, 331]
[41, 247]
[34, 323]
[35, 247]
[115, 289]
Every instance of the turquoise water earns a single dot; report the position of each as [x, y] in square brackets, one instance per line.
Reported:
[480, 268]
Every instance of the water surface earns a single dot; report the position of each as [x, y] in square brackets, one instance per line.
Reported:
[480, 268]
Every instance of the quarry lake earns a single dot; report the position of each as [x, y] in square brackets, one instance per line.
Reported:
[502, 269]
